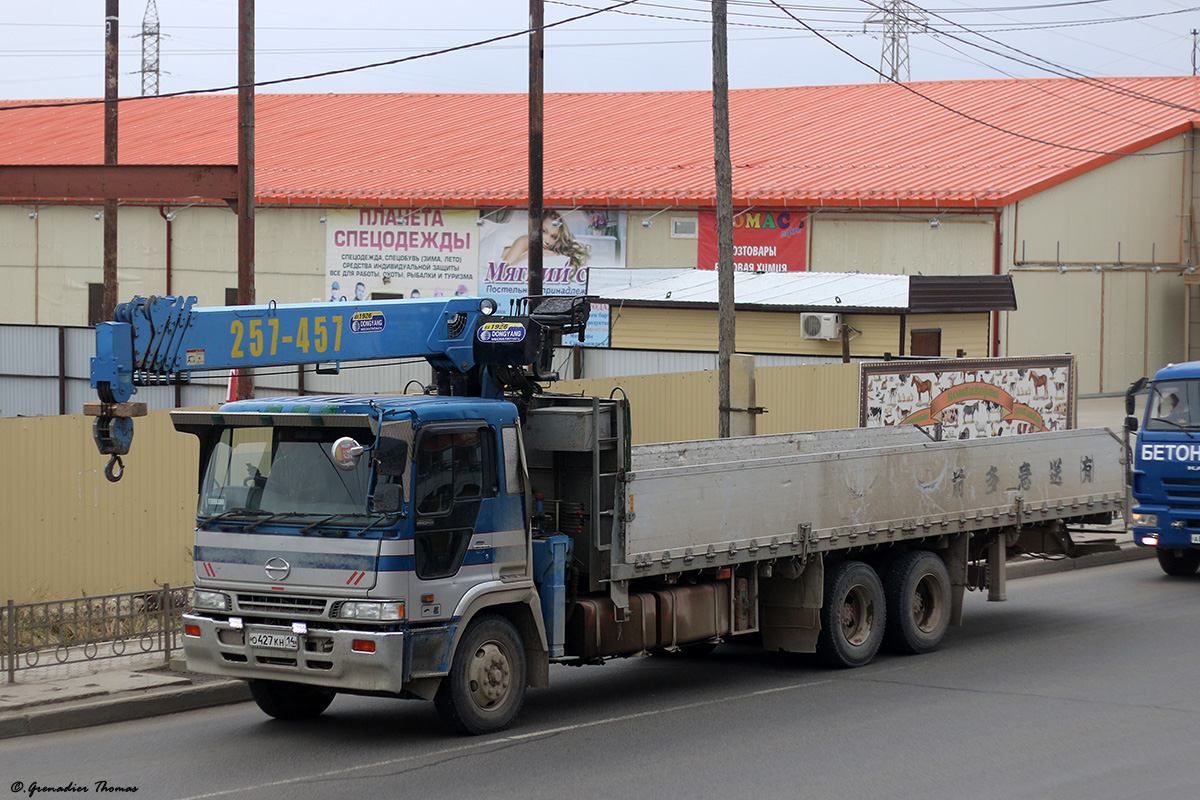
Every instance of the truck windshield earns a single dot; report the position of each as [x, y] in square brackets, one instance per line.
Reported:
[259, 472]
[1174, 405]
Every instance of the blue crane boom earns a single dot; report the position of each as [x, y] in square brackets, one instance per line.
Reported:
[162, 340]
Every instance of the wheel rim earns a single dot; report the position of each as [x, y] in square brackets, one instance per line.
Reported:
[858, 616]
[927, 605]
[489, 676]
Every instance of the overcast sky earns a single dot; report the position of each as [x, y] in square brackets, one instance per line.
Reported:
[55, 48]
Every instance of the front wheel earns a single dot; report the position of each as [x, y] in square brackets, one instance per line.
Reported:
[852, 616]
[486, 685]
[1179, 563]
[283, 700]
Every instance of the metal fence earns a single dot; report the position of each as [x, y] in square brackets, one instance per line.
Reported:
[65, 632]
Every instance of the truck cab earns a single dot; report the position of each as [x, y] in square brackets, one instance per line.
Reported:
[1166, 470]
[343, 542]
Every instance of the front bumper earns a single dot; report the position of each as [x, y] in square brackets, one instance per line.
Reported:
[324, 657]
[1177, 528]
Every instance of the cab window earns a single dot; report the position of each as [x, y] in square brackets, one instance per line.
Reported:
[453, 466]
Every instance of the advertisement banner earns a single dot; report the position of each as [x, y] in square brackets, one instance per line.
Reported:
[597, 333]
[393, 253]
[971, 398]
[572, 242]
[763, 241]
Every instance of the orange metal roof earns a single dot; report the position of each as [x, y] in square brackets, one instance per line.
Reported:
[872, 145]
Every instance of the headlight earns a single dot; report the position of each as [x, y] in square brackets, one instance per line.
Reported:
[212, 601]
[1144, 520]
[376, 612]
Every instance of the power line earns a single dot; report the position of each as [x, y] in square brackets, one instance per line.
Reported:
[955, 111]
[343, 71]
[1061, 71]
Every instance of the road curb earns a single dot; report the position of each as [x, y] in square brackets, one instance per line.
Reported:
[122, 707]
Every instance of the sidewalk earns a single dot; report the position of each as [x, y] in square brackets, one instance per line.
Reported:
[82, 694]
[59, 697]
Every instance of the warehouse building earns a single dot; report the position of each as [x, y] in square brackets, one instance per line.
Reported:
[1081, 192]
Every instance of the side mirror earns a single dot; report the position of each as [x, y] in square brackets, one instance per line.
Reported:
[387, 498]
[346, 453]
[1131, 393]
[1131, 424]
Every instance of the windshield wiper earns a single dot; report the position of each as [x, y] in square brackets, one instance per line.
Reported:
[375, 522]
[245, 512]
[1183, 426]
[271, 517]
[326, 520]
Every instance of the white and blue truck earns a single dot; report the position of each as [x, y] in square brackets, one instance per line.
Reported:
[453, 545]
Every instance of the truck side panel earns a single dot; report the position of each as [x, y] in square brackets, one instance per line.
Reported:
[747, 508]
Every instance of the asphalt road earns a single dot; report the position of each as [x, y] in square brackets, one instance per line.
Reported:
[1080, 686]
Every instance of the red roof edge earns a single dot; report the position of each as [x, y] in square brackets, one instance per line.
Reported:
[1095, 163]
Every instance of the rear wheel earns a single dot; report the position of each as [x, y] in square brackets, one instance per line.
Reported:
[486, 685]
[852, 616]
[283, 700]
[1178, 562]
[917, 589]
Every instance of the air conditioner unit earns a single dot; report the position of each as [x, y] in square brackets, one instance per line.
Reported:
[820, 326]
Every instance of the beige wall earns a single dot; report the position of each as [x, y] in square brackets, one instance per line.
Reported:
[807, 398]
[55, 256]
[68, 532]
[779, 332]
[1120, 325]
[18, 254]
[675, 407]
[1192, 301]
[653, 246]
[1131, 211]
[894, 244]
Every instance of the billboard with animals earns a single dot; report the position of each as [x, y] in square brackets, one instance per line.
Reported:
[971, 398]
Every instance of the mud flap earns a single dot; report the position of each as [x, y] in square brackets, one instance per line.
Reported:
[790, 605]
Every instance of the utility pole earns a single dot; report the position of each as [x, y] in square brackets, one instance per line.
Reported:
[897, 18]
[537, 35]
[245, 210]
[1195, 44]
[150, 42]
[112, 18]
[724, 196]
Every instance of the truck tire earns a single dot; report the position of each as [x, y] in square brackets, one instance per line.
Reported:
[283, 700]
[486, 685]
[1179, 563]
[853, 616]
[917, 590]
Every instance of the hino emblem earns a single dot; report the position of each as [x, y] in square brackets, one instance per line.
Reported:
[277, 569]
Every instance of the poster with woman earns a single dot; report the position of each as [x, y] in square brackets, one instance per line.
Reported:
[572, 242]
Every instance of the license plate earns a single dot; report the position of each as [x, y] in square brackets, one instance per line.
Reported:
[1196, 538]
[274, 641]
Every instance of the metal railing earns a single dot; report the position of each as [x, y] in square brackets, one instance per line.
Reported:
[63, 632]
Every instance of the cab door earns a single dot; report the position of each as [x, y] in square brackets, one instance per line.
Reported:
[455, 474]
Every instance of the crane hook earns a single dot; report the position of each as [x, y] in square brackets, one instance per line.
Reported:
[110, 473]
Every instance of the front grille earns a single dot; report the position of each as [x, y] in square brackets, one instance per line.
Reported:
[272, 604]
